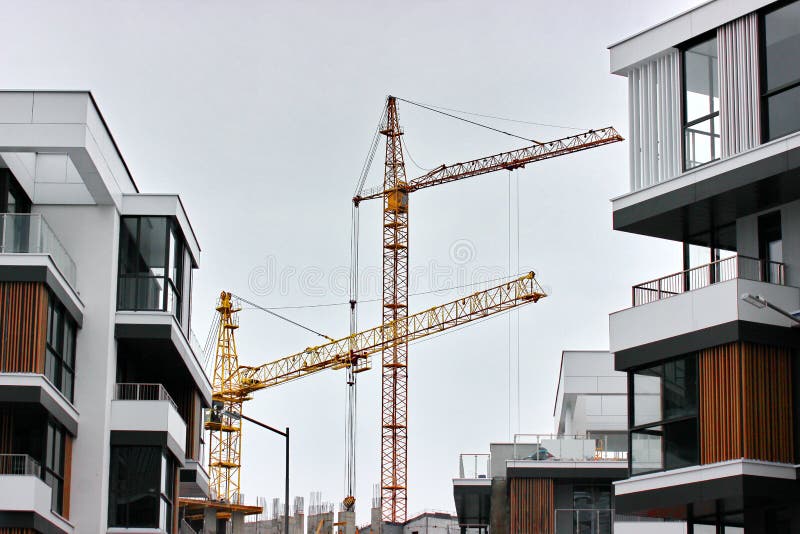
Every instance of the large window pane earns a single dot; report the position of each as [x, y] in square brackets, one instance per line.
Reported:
[646, 450]
[701, 129]
[680, 444]
[153, 245]
[680, 388]
[134, 496]
[700, 70]
[784, 112]
[647, 396]
[782, 44]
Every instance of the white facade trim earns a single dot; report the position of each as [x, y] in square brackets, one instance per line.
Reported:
[29, 493]
[704, 473]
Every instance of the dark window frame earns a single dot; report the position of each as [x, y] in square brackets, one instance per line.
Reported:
[159, 501]
[688, 124]
[56, 349]
[763, 92]
[650, 426]
[53, 467]
[172, 285]
[10, 185]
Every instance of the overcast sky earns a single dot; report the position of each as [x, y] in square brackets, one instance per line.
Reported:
[259, 114]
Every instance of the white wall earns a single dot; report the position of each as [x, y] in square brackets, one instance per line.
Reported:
[91, 236]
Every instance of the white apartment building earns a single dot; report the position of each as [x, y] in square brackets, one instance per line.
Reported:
[101, 389]
[712, 363]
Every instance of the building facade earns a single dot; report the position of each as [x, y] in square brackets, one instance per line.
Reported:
[101, 387]
[561, 481]
[714, 104]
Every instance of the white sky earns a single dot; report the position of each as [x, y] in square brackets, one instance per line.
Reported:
[260, 113]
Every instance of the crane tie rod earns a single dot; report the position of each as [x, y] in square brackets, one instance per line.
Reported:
[534, 141]
[279, 316]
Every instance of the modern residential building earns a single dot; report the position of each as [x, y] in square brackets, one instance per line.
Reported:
[559, 482]
[714, 102]
[101, 389]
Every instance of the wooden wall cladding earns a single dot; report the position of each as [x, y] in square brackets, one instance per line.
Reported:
[17, 531]
[532, 506]
[68, 475]
[745, 403]
[23, 327]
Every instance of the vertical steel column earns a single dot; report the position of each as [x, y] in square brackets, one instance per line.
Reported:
[395, 310]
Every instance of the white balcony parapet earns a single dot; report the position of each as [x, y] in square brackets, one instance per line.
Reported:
[29, 233]
[23, 490]
[563, 448]
[149, 408]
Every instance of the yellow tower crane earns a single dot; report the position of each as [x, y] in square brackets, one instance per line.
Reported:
[233, 383]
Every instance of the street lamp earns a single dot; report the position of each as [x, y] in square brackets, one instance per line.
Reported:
[760, 302]
[218, 409]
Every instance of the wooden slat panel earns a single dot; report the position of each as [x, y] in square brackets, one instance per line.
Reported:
[532, 505]
[23, 327]
[767, 403]
[745, 403]
[67, 475]
[719, 370]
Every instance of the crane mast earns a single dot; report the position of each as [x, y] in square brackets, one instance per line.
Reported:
[395, 194]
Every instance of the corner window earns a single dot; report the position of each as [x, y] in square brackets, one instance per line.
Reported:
[59, 362]
[664, 420]
[151, 266]
[701, 127]
[780, 77]
[141, 488]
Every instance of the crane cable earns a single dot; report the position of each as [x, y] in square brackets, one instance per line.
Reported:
[279, 316]
[423, 106]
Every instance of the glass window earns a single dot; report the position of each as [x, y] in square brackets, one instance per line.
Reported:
[664, 420]
[53, 469]
[151, 266]
[781, 76]
[701, 128]
[134, 489]
[59, 363]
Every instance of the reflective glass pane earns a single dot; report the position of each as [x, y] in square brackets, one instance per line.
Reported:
[128, 253]
[701, 142]
[646, 450]
[680, 388]
[681, 446]
[783, 110]
[133, 497]
[153, 245]
[700, 71]
[782, 39]
[647, 396]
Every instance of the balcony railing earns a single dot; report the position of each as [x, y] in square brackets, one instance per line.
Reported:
[554, 448]
[584, 520]
[143, 392]
[745, 267]
[474, 465]
[29, 233]
[19, 464]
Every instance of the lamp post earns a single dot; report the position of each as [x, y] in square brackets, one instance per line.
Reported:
[285, 434]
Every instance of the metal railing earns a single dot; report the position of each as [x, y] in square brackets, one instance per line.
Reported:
[143, 392]
[29, 233]
[570, 448]
[584, 520]
[731, 268]
[19, 464]
[474, 465]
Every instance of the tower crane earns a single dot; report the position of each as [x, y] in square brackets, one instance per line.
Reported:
[233, 384]
[395, 194]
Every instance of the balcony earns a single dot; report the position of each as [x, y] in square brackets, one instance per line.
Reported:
[29, 233]
[743, 267]
[561, 448]
[700, 307]
[147, 408]
[24, 492]
[472, 490]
